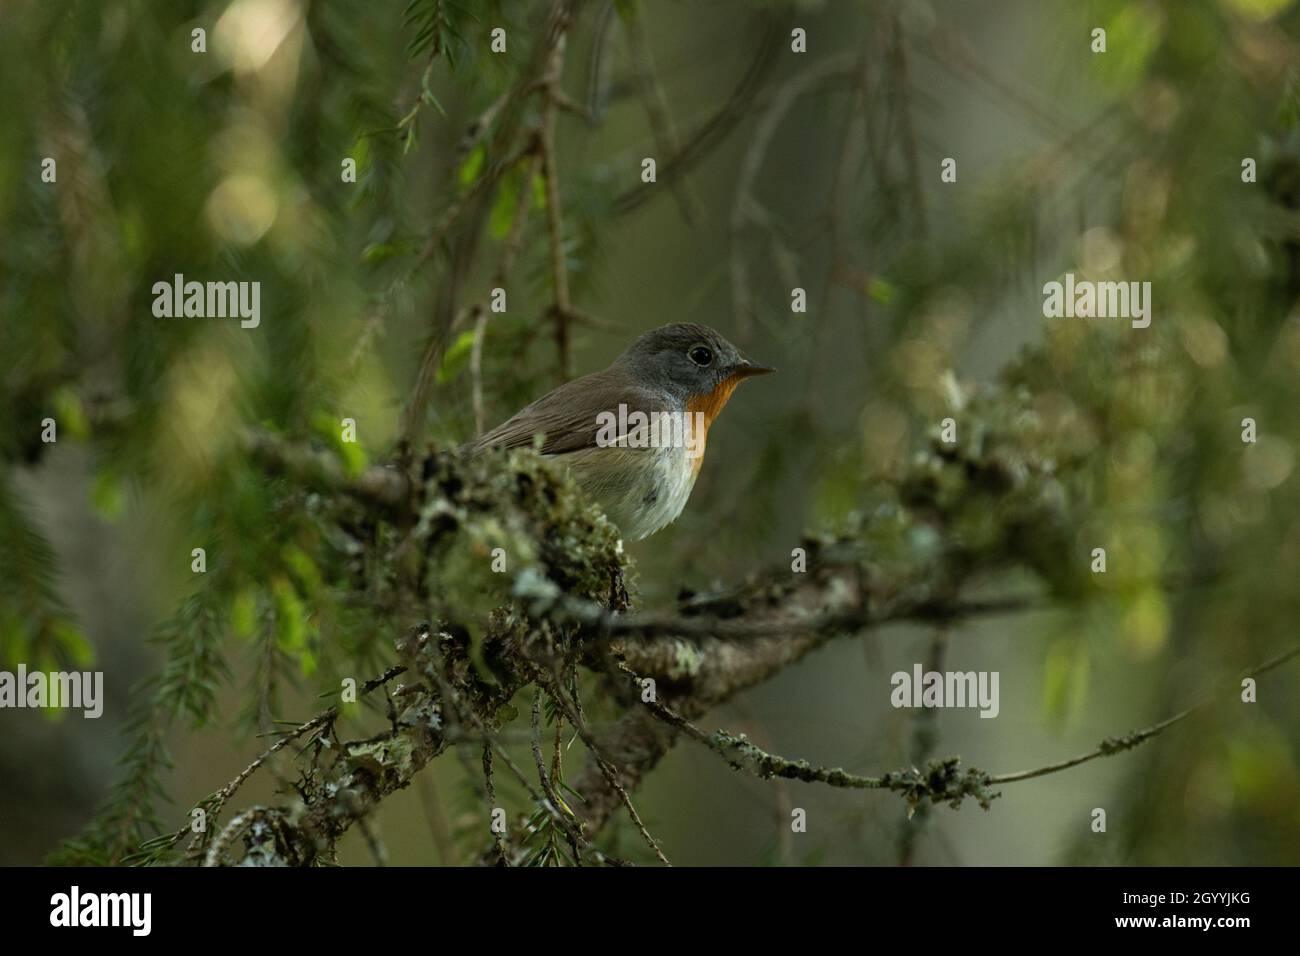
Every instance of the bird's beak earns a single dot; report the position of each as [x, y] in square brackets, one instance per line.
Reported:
[747, 369]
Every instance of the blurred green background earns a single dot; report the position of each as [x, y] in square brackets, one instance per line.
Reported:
[824, 175]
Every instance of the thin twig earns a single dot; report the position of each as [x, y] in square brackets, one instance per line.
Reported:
[554, 215]
[223, 795]
[942, 781]
[744, 202]
[498, 843]
[509, 253]
[656, 108]
[606, 766]
[566, 823]
[715, 129]
[925, 735]
[1114, 745]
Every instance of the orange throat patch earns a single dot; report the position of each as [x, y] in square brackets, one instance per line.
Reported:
[710, 404]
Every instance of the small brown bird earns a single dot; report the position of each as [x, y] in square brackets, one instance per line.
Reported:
[633, 435]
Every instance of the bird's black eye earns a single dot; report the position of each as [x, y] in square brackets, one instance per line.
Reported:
[701, 355]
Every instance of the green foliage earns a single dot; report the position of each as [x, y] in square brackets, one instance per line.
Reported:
[183, 692]
[1094, 436]
[36, 627]
[438, 28]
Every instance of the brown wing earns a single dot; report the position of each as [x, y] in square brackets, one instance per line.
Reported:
[567, 416]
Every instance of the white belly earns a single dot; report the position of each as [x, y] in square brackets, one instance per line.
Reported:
[640, 489]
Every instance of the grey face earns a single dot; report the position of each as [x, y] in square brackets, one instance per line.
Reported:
[687, 359]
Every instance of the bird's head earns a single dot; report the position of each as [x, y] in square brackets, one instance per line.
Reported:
[693, 363]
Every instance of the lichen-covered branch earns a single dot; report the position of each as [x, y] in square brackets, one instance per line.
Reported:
[1009, 494]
